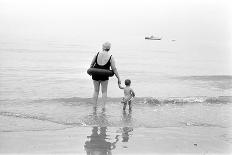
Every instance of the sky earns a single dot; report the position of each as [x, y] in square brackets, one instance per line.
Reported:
[197, 19]
[204, 24]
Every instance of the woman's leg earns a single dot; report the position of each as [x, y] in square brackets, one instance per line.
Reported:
[104, 85]
[96, 85]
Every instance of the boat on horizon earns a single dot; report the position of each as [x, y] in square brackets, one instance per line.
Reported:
[153, 38]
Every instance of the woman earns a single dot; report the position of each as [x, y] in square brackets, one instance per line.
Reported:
[103, 60]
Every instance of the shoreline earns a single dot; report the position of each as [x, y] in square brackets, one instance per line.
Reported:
[119, 140]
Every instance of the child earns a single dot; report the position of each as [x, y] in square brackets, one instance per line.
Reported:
[128, 94]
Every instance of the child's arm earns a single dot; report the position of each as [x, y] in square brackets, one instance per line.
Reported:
[132, 92]
[119, 85]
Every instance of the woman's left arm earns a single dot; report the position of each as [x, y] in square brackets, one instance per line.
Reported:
[93, 61]
[113, 66]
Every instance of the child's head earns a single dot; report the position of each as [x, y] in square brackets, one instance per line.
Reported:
[127, 82]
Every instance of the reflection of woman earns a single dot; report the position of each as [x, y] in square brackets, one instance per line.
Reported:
[103, 60]
[97, 145]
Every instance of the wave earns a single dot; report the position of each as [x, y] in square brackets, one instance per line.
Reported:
[40, 118]
[186, 100]
[99, 120]
[149, 100]
[78, 112]
[198, 124]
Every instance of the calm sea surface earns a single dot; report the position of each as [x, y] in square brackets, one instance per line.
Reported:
[34, 69]
[44, 85]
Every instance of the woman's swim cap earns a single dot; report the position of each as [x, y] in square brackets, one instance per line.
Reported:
[106, 46]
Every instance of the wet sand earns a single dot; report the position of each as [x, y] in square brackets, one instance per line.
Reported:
[113, 140]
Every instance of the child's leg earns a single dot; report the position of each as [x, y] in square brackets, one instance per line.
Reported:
[123, 100]
[130, 107]
[124, 105]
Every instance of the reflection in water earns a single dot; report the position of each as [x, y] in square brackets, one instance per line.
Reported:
[126, 121]
[125, 133]
[97, 145]
[96, 119]
[127, 117]
[98, 142]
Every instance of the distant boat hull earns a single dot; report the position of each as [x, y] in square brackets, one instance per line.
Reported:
[149, 38]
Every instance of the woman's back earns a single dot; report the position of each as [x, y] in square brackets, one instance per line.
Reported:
[103, 58]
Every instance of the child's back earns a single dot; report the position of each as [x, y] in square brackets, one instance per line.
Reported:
[128, 94]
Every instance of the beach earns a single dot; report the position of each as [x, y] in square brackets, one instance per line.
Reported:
[71, 126]
[182, 80]
[169, 140]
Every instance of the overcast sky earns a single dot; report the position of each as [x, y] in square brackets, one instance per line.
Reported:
[188, 19]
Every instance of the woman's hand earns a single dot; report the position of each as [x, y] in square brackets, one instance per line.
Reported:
[119, 81]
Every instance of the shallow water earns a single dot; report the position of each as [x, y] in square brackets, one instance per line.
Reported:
[62, 113]
[44, 85]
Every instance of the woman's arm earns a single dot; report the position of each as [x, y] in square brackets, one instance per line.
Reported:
[93, 61]
[113, 66]
[119, 85]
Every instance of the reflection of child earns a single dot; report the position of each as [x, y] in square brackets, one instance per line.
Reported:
[125, 133]
[128, 94]
[126, 118]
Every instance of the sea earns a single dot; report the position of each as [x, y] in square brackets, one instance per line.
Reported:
[44, 84]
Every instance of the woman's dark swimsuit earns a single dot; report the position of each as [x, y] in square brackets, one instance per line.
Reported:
[106, 66]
